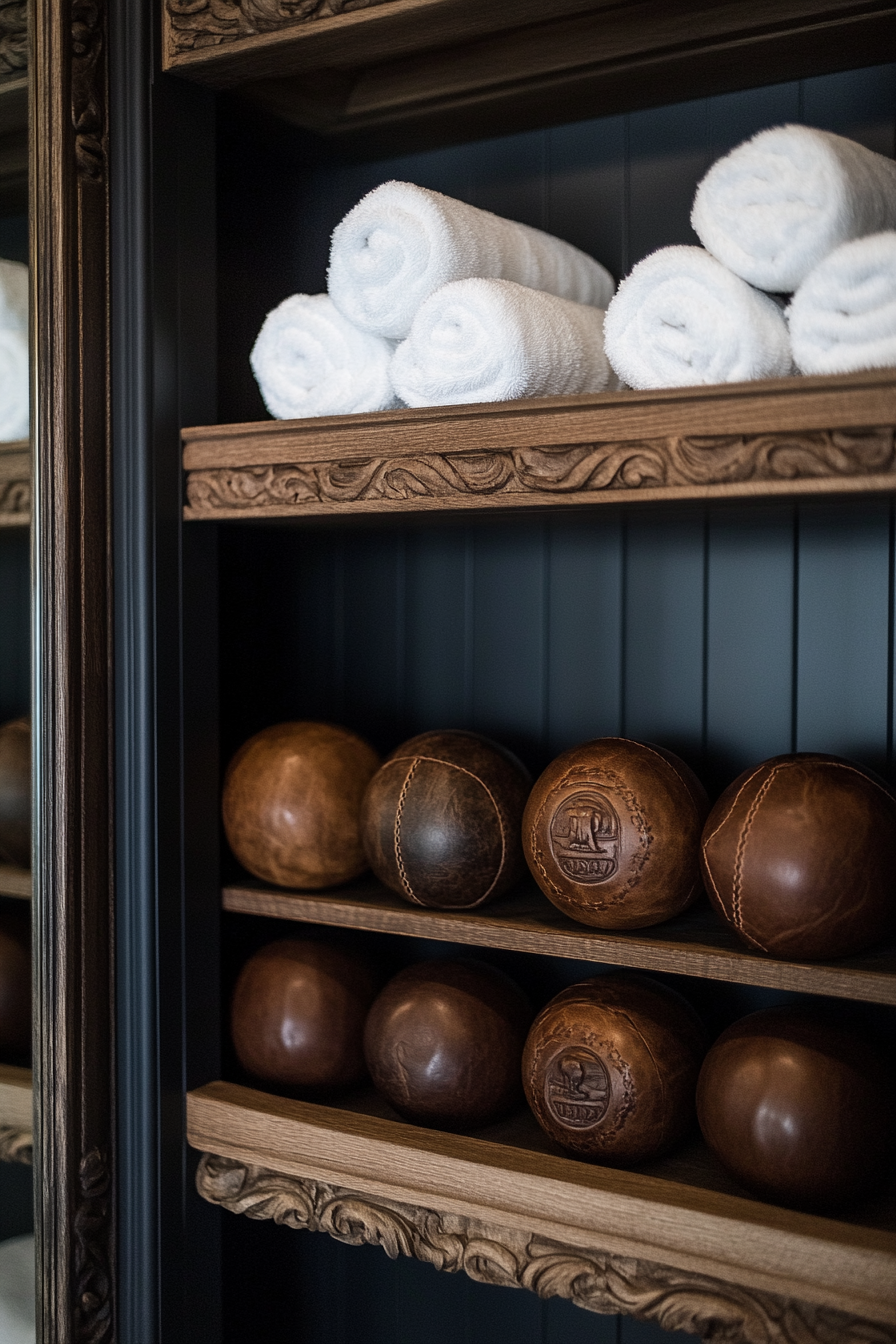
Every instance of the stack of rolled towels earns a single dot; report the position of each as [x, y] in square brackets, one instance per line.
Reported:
[793, 214]
[14, 398]
[432, 302]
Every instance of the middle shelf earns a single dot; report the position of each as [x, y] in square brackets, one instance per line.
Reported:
[695, 943]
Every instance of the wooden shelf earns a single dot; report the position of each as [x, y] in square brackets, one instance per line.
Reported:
[513, 1198]
[15, 1114]
[15, 881]
[781, 438]
[696, 943]
[15, 483]
[395, 73]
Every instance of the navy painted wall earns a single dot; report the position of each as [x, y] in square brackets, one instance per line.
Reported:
[726, 633]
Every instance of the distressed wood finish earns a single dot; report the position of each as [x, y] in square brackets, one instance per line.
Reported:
[536, 1195]
[15, 1114]
[15, 484]
[15, 881]
[74, 1063]
[786, 437]
[696, 943]
[488, 1252]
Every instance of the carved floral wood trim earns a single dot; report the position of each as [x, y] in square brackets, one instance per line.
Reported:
[13, 38]
[15, 1144]
[15, 501]
[595, 1280]
[557, 471]
[193, 24]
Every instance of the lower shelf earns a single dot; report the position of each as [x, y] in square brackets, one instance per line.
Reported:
[696, 943]
[15, 881]
[15, 1114]
[665, 1243]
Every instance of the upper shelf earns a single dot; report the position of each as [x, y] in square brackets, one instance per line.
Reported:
[429, 71]
[15, 483]
[782, 437]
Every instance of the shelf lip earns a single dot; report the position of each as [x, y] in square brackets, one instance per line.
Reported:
[796, 1255]
[15, 881]
[782, 437]
[526, 922]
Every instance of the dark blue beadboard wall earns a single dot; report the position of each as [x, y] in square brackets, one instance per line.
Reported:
[727, 633]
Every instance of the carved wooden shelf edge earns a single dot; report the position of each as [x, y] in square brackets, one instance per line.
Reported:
[16, 1144]
[595, 1280]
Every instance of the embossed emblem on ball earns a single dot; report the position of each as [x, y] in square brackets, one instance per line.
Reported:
[585, 837]
[577, 1088]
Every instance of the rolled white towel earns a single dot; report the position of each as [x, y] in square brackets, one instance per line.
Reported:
[681, 319]
[310, 360]
[843, 316]
[773, 208]
[13, 385]
[402, 242]
[494, 340]
[13, 296]
[17, 1287]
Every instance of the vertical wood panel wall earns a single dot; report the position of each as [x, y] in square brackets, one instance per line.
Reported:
[727, 633]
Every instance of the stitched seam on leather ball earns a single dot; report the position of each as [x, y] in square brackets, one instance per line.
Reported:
[402, 871]
[741, 848]
[752, 775]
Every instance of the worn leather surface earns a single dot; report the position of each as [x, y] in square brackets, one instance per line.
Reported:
[443, 1043]
[441, 820]
[611, 833]
[292, 800]
[15, 792]
[799, 856]
[298, 1013]
[15, 983]
[798, 1107]
[610, 1068]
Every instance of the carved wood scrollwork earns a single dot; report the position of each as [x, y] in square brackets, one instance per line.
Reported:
[193, 24]
[88, 79]
[13, 37]
[596, 1280]
[15, 1144]
[15, 501]
[93, 1308]
[556, 471]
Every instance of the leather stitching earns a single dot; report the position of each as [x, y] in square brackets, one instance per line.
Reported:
[741, 849]
[402, 871]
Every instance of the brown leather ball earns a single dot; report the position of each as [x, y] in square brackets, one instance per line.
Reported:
[443, 1043]
[441, 820]
[611, 833]
[799, 856]
[15, 792]
[298, 1013]
[610, 1068]
[797, 1107]
[15, 984]
[292, 799]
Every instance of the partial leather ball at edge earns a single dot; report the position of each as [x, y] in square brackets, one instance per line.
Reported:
[298, 1013]
[797, 1107]
[610, 1068]
[799, 856]
[15, 984]
[15, 792]
[443, 1043]
[292, 802]
[441, 820]
[611, 833]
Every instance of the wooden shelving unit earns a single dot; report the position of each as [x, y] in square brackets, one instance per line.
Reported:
[15, 484]
[15, 881]
[15, 1114]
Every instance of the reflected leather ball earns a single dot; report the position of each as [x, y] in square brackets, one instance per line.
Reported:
[799, 856]
[441, 820]
[15, 984]
[797, 1107]
[611, 833]
[292, 799]
[443, 1043]
[610, 1068]
[15, 792]
[298, 1013]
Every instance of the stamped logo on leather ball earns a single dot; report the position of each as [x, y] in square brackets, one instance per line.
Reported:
[577, 1088]
[585, 837]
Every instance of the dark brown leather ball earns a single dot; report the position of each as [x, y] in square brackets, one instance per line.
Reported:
[612, 833]
[15, 792]
[610, 1068]
[15, 984]
[799, 856]
[292, 800]
[441, 820]
[443, 1043]
[298, 1013]
[797, 1107]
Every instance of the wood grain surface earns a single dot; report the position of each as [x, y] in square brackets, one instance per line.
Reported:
[15, 881]
[696, 943]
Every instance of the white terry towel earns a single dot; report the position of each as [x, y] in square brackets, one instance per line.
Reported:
[17, 1291]
[402, 242]
[494, 340]
[13, 296]
[681, 319]
[309, 360]
[843, 316]
[773, 208]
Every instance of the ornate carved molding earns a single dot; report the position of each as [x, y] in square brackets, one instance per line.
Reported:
[596, 1280]
[555, 471]
[88, 87]
[193, 24]
[15, 501]
[15, 1144]
[13, 38]
[93, 1307]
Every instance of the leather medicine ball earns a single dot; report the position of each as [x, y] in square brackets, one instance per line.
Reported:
[15, 792]
[15, 983]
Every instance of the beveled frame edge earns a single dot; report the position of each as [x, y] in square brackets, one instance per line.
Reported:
[71, 697]
[596, 1280]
